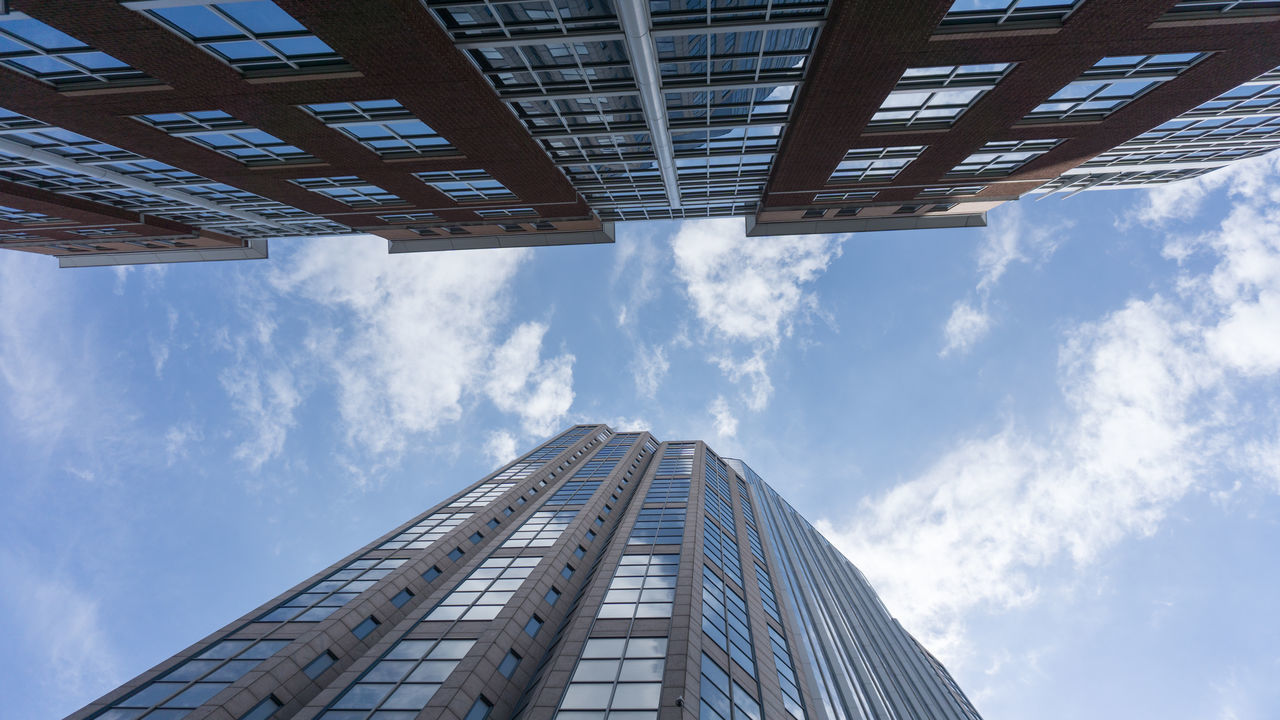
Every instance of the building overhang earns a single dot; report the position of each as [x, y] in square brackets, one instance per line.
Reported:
[251, 250]
[870, 224]
[603, 234]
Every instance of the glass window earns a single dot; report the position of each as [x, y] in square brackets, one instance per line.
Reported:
[1112, 83]
[937, 96]
[479, 709]
[483, 593]
[721, 549]
[618, 676]
[541, 529]
[643, 586]
[1013, 12]
[1002, 157]
[316, 668]
[426, 531]
[725, 620]
[483, 494]
[222, 133]
[383, 126]
[509, 664]
[195, 681]
[791, 698]
[264, 709]
[34, 48]
[658, 526]
[574, 492]
[402, 597]
[466, 185]
[338, 588]
[255, 37]
[350, 190]
[877, 164]
[722, 698]
[432, 573]
[552, 596]
[365, 627]
[1223, 7]
[532, 627]
[405, 678]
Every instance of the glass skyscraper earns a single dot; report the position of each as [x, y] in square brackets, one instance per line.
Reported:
[601, 576]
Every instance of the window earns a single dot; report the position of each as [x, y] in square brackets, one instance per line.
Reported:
[580, 551]
[791, 698]
[195, 681]
[383, 126]
[456, 553]
[718, 507]
[1002, 157]
[722, 698]
[936, 96]
[1110, 84]
[316, 668]
[552, 596]
[616, 675]
[567, 572]
[482, 595]
[951, 191]
[255, 37]
[541, 529]
[877, 164]
[402, 597]
[766, 593]
[666, 490]
[642, 586]
[338, 588]
[493, 523]
[721, 549]
[484, 494]
[365, 627]
[432, 573]
[509, 664]
[1223, 7]
[33, 48]
[476, 537]
[906, 210]
[532, 627]
[77, 147]
[466, 185]
[479, 709]
[574, 492]
[725, 620]
[1000, 12]
[349, 189]
[264, 709]
[220, 132]
[658, 526]
[426, 531]
[404, 678]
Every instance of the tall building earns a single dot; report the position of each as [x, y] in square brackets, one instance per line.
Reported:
[171, 130]
[602, 576]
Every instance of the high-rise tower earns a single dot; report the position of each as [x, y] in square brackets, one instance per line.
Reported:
[602, 576]
[172, 130]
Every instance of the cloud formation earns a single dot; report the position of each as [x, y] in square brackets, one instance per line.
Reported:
[1157, 393]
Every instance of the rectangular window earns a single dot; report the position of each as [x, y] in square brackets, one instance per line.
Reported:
[402, 597]
[405, 678]
[255, 37]
[466, 185]
[338, 588]
[316, 668]
[658, 526]
[877, 164]
[197, 680]
[936, 96]
[532, 627]
[722, 698]
[1002, 157]
[791, 698]
[383, 126]
[722, 550]
[476, 537]
[1112, 83]
[264, 709]
[725, 620]
[34, 48]
[668, 490]
[509, 664]
[219, 131]
[484, 494]
[479, 709]
[426, 531]
[432, 573]
[620, 675]
[456, 553]
[365, 627]
[552, 596]
[643, 586]
[350, 190]
[541, 529]
[574, 492]
[1045, 13]
[483, 594]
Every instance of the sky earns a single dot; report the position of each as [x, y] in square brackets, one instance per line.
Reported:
[1052, 444]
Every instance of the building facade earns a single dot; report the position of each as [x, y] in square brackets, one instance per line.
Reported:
[173, 130]
[601, 576]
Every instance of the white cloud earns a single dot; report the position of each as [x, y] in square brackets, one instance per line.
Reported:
[649, 365]
[61, 634]
[501, 447]
[1182, 200]
[178, 440]
[1156, 392]
[749, 293]
[723, 419]
[520, 382]
[1011, 239]
[266, 402]
[966, 326]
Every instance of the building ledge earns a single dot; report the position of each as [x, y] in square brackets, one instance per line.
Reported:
[604, 234]
[871, 224]
[253, 250]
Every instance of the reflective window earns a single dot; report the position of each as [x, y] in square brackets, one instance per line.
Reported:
[722, 698]
[1112, 83]
[34, 48]
[404, 678]
[483, 494]
[936, 96]
[338, 588]
[541, 529]
[1224, 7]
[642, 586]
[482, 595]
[466, 185]
[951, 191]
[876, 164]
[1002, 157]
[574, 492]
[253, 37]
[658, 526]
[479, 709]
[365, 627]
[725, 620]
[426, 531]
[767, 595]
[1000, 12]
[383, 126]
[509, 664]
[264, 709]
[791, 698]
[195, 681]
[721, 549]
[316, 668]
[220, 132]
[350, 190]
[615, 678]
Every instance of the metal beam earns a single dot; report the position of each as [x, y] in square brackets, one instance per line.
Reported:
[634, 17]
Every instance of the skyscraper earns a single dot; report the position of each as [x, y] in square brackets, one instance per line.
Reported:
[601, 576]
[172, 130]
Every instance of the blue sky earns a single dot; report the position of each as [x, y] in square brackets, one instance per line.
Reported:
[1052, 444]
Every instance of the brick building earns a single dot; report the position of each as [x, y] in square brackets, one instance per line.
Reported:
[171, 130]
[601, 576]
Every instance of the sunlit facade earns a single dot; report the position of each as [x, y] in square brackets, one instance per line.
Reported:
[603, 575]
[172, 130]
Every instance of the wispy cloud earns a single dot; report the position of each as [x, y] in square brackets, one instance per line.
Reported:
[538, 391]
[749, 294]
[1156, 394]
[966, 326]
[723, 419]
